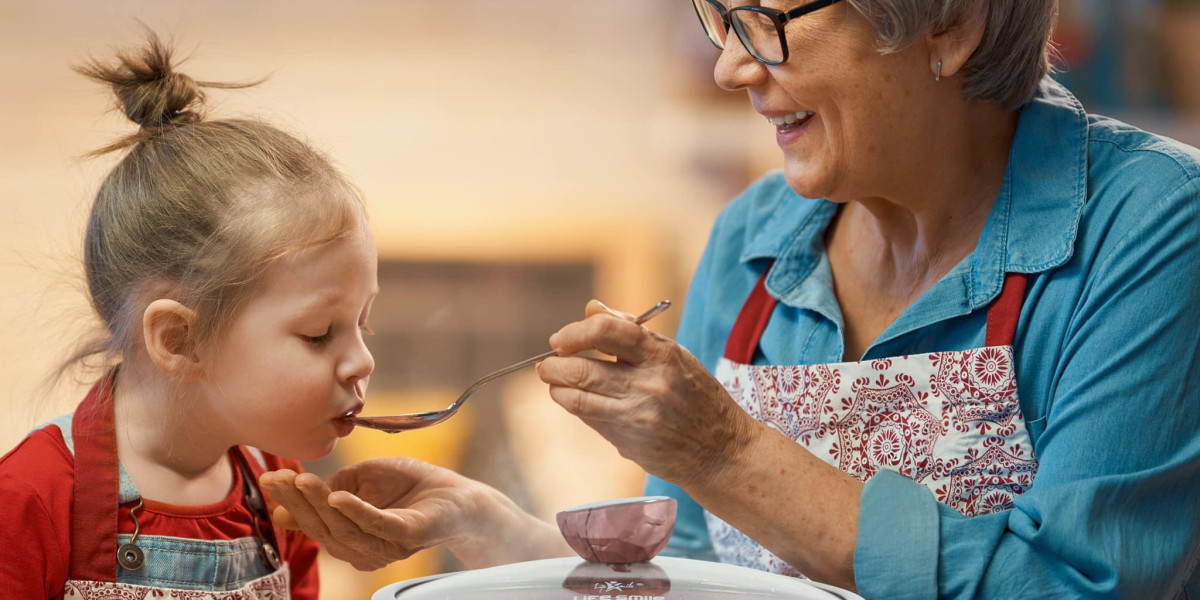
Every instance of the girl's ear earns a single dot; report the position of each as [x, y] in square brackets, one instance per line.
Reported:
[953, 46]
[169, 332]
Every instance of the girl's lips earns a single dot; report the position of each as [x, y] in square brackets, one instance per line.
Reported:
[343, 426]
[358, 407]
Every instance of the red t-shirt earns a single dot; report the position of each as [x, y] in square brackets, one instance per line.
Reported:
[37, 479]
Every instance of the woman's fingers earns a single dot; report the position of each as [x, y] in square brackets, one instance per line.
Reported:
[596, 307]
[281, 485]
[281, 517]
[307, 509]
[587, 405]
[612, 335]
[588, 374]
[383, 482]
[377, 511]
[317, 494]
[383, 524]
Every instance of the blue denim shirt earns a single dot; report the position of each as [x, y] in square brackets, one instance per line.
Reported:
[1105, 219]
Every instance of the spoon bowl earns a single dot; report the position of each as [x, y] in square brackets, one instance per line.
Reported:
[398, 423]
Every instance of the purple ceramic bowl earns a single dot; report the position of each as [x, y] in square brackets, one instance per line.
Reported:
[623, 531]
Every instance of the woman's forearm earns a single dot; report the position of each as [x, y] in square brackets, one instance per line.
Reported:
[789, 501]
[503, 533]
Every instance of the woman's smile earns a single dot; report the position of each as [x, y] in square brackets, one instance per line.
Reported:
[789, 127]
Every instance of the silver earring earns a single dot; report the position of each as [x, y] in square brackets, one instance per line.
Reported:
[937, 75]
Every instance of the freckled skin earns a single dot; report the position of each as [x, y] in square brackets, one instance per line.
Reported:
[836, 71]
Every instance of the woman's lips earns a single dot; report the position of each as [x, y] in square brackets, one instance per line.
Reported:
[786, 134]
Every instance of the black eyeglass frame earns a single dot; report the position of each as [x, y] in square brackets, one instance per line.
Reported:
[778, 17]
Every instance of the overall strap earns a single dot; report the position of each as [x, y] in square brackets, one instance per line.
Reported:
[94, 499]
[756, 312]
[252, 463]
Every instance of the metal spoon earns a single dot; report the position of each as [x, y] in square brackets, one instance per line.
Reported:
[398, 423]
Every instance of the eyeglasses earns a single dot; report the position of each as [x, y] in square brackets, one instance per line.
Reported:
[760, 29]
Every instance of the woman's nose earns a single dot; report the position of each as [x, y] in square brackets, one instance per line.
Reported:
[735, 68]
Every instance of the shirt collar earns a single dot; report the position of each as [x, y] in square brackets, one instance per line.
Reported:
[1032, 226]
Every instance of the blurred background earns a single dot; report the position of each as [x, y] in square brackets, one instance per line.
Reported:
[517, 158]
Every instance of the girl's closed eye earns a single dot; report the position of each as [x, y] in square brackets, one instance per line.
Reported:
[319, 340]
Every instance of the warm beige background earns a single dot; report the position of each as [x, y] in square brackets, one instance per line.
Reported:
[495, 130]
[526, 130]
[479, 130]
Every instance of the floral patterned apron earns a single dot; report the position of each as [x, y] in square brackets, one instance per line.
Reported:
[948, 420]
[105, 566]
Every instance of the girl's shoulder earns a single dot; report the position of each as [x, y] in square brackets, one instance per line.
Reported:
[43, 460]
[39, 473]
[37, 479]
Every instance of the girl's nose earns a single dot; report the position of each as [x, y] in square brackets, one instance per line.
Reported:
[358, 363]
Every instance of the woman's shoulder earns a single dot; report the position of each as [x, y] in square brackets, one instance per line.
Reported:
[1142, 193]
[1138, 162]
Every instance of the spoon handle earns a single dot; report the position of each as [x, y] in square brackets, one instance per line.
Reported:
[642, 318]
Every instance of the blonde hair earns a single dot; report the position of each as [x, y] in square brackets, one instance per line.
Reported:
[197, 209]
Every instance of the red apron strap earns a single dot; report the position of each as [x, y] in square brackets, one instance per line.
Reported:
[95, 497]
[751, 322]
[1005, 309]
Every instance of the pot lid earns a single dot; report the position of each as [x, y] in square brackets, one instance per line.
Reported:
[618, 540]
[664, 578]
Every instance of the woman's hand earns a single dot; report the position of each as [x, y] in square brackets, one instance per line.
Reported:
[379, 511]
[656, 403]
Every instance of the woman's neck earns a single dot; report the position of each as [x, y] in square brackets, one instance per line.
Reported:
[163, 440]
[889, 248]
[934, 208]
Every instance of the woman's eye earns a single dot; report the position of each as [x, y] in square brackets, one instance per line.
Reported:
[366, 329]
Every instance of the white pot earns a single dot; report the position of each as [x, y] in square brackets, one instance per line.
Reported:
[611, 530]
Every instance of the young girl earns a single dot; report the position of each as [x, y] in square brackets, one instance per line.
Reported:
[234, 270]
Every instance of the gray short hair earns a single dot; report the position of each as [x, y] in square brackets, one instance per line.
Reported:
[1012, 57]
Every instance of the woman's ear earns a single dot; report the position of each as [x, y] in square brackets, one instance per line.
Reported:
[949, 49]
[169, 332]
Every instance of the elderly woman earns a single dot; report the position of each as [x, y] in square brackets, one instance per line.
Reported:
[993, 299]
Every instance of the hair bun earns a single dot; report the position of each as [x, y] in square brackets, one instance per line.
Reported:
[169, 99]
[151, 93]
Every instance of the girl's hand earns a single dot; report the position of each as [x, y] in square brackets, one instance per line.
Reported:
[379, 511]
[656, 403]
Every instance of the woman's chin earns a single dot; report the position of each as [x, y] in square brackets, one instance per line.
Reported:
[802, 179]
